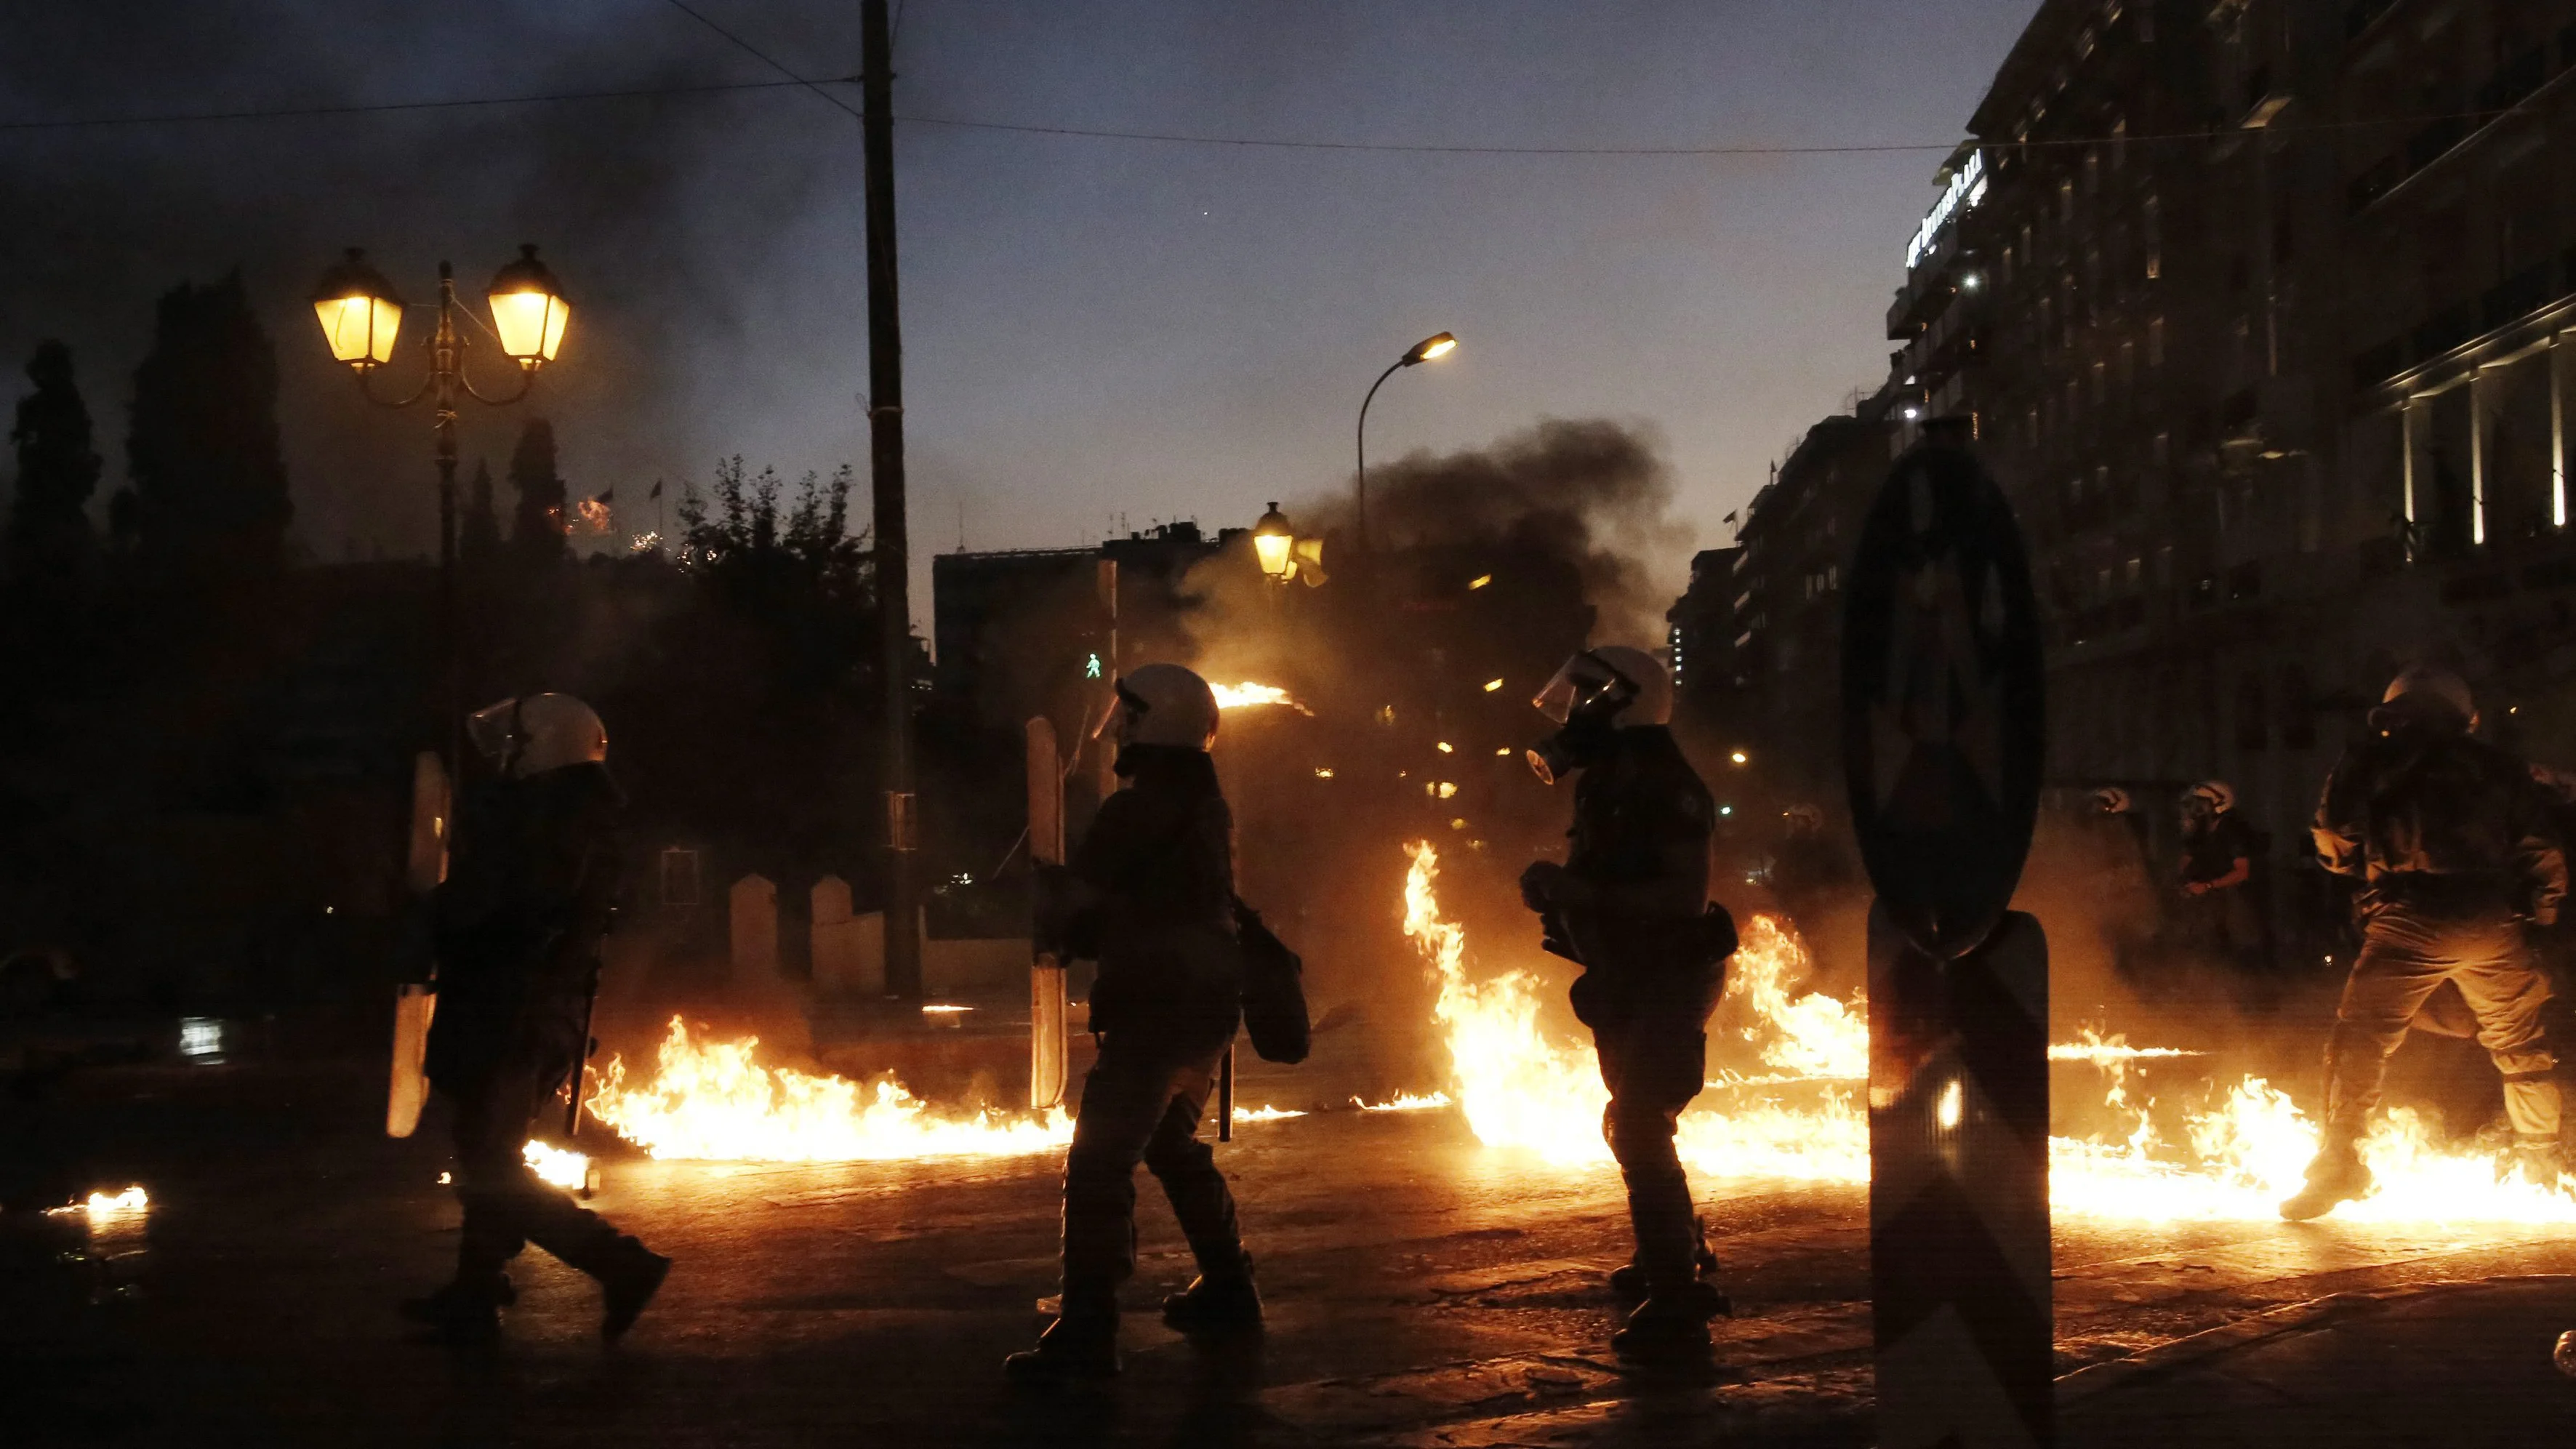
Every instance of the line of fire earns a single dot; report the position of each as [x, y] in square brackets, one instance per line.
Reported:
[2054, 931]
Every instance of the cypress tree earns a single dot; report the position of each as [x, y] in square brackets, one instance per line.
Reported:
[50, 539]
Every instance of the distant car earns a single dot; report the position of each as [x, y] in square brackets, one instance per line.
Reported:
[33, 979]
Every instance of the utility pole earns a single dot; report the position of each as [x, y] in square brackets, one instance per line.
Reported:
[893, 555]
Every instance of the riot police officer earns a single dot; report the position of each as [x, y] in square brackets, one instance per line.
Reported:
[2457, 857]
[1630, 903]
[1149, 894]
[519, 923]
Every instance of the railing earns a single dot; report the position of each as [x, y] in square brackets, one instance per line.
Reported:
[2443, 331]
[2427, 145]
[2376, 181]
[2375, 365]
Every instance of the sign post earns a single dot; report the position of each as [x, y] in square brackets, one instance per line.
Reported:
[1943, 734]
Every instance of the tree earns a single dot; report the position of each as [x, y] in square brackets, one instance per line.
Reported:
[49, 530]
[209, 491]
[538, 531]
[478, 531]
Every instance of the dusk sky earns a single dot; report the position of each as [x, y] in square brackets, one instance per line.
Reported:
[1094, 327]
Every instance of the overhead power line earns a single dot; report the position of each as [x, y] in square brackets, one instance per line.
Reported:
[789, 80]
[764, 57]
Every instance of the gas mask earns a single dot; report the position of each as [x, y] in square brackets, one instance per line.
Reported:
[1584, 699]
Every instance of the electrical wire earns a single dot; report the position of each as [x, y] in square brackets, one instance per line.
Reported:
[761, 55]
[792, 81]
[361, 108]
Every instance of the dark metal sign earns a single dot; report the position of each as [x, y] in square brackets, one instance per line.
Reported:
[1943, 726]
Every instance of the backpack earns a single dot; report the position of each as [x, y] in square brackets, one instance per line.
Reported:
[1274, 991]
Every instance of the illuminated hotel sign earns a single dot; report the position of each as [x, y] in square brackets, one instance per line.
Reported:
[1965, 190]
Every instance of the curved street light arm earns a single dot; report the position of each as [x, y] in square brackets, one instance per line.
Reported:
[527, 380]
[1361, 442]
[367, 388]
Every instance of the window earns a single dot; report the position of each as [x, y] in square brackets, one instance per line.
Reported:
[2119, 143]
[2137, 570]
[2156, 343]
[2128, 363]
[2066, 199]
[2157, 450]
[679, 876]
[2152, 236]
[2101, 374]
[2092, 172]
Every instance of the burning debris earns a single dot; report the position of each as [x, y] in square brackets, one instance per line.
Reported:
[555, 1166]
[107, 1204]
[714, 1101]
[2234, 1158]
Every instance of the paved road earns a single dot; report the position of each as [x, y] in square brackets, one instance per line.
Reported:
[1423, 1291]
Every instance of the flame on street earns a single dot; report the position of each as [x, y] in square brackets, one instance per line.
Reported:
[108, 1204]
[2235, 1154]
[714, 1101]
[555, 1166]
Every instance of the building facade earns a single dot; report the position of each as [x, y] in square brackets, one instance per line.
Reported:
[2260, 312]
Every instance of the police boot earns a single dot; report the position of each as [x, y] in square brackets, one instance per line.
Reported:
[1217, 1303]
[1668, 1332]
[466, 1313]
[2535, 1161]
[627, 1284]
[2337, 1176]
[1081, 1345]
[1628, 1281]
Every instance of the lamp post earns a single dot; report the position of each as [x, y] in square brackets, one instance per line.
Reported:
[361, 315]
[1438, 344]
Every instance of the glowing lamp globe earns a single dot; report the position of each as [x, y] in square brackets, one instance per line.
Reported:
[359, 312]
[528, 310]
[1437, 345]
[1272, 543]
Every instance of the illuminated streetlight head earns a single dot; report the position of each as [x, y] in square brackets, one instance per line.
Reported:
[528, 310]
[1273, 541]
[1438, 344]
[358, 310]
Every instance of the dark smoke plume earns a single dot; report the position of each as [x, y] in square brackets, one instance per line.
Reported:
[1590, 491]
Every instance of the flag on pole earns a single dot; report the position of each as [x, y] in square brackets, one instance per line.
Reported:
[657, 489]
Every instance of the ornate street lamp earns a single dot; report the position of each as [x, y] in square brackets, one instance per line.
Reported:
[1273, 541]
[361, 315]
[1437, 345]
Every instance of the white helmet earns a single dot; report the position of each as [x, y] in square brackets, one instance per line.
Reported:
[1164, 704]
[2218, 794]
[530, 735]
[2432, 684]
[1638, 675]
[2112, 800]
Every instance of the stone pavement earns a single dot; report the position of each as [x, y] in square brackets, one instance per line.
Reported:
[1423, 1291]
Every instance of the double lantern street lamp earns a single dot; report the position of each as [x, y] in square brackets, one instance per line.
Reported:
[1431, 348]
[361, 315]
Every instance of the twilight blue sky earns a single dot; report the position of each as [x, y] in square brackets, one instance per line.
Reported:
[1095, 328]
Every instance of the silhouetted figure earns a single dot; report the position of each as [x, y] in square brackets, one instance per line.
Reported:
[1149, 894]
[520, 918]
[2458, 857]
[1631, 903]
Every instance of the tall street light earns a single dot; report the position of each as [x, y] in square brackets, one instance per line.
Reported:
[1438, 344]
[361, 315]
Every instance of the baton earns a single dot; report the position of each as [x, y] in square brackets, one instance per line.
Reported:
[1225, 1096]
